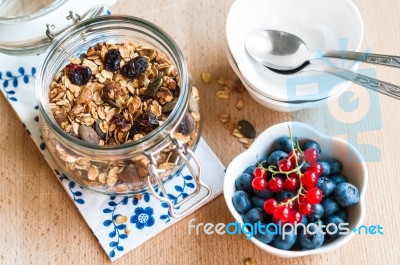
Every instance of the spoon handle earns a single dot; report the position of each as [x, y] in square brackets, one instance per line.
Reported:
[380, 59]
[366, 81]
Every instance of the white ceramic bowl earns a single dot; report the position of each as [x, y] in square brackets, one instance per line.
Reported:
[354, 168]
[323, 25]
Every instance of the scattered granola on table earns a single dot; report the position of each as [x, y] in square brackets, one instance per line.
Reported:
[206, 77]
[115, 94]
[249, 261]
[242, 130]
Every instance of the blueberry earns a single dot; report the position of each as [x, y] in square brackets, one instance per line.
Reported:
[250, 170]
[284, 143]
[304, 221]
[326, 168]
[342, 213]
[241, 201]
[257, 201]
[346, 194]
[243, 182]
[326, 185]
[266, 193]
[330, 206]
[305, 167]
[288, 242]
[338, 179]
[275, 157]
[332, 225]
[253, 216]
[317, 212]
[317, 223]
[267, 237]
[336, 166]
[285, 194]
[311, 239]
[312, 144]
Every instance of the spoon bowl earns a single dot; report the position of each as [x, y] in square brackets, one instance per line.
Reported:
[277, 49]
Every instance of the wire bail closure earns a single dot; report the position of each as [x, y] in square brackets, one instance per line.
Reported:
[51, 35]
[183, 152]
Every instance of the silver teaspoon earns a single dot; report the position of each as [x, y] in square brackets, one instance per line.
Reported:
[284, 51]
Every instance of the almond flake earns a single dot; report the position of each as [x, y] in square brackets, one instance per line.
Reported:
[240, 104]
[224, 118]
[221, 94]
[206, 77]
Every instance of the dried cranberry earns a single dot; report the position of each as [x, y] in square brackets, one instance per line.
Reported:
[147, 119]
[136, 129]
[134, 67]
[112, 60]
[119, 120]
[78, 74]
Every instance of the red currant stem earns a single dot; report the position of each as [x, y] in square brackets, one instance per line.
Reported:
[296, 197]
[296, 169]
[298, 147]
[293, 149]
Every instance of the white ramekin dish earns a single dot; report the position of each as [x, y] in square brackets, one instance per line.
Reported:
[354, 168]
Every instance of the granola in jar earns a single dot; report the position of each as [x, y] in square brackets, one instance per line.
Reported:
[115, 94]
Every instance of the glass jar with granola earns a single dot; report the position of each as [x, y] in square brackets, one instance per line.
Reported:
[117, 109]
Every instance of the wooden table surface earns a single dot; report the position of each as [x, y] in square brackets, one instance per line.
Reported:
[40, 224]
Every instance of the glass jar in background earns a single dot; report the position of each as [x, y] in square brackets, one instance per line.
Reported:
[28, 27]
[132, 167]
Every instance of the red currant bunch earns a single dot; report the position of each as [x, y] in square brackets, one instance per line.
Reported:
[286, 175]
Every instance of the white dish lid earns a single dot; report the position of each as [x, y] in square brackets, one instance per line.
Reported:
[28, 27]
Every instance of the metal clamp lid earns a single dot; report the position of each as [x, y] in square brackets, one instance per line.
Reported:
[184, 153]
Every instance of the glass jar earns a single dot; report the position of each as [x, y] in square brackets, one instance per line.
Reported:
[132, 167]
[27, 27]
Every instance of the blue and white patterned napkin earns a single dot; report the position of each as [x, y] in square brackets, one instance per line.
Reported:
[120, 223]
